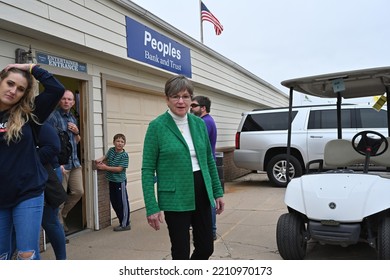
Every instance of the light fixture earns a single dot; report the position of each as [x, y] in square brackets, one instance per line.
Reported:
[22, 56]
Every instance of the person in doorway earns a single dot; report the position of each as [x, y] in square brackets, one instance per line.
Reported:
[115, 163]
[23, 177]
[178, 152]
[63, 119]
[49, 148]
[200, 107]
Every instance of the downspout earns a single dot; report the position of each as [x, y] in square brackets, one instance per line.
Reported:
[96, 200]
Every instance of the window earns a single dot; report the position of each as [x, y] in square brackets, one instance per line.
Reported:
[370, 118]
[323, 119]
[267, 121]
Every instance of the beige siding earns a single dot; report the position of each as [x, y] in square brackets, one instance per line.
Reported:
[129, 112]
[226, 111]
[100, 26]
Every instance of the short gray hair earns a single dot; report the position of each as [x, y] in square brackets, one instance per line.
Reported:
[177, 84]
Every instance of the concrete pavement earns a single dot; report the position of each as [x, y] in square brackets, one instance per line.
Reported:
[246, 229]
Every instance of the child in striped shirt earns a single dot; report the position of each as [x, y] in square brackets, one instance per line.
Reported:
[115, 163]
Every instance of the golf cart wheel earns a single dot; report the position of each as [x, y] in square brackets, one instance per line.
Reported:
[290, 237]
[384, 239]
[277, 169]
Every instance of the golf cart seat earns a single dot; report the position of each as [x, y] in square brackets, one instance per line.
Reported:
[383, 159]
[340, 153]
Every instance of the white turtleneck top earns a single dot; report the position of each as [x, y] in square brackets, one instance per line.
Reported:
[182, 124]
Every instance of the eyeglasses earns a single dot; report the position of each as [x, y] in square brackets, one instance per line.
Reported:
[195, 105]
[176, 98]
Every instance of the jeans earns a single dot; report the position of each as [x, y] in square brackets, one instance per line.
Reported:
[53, 228]
[59, 173]
[22, 221]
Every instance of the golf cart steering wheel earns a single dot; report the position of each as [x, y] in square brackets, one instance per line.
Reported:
[368, 145]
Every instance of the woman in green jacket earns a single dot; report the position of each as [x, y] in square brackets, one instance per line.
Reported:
[177, 151]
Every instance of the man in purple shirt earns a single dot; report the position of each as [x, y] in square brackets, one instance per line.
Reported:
[200, 107]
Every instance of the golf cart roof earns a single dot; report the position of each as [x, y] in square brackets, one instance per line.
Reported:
[350, 84]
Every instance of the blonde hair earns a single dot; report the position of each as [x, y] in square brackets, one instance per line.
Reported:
[21, 112]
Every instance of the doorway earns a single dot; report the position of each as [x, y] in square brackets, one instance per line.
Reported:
[76, 219]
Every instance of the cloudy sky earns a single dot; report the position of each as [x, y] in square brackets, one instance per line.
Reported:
[282, 39]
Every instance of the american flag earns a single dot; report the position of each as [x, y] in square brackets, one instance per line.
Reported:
[208, 16]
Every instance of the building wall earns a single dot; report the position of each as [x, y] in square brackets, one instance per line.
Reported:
[94, 32]
[97, 28]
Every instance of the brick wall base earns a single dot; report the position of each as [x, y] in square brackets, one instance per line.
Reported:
[230, 170]
[104, 200]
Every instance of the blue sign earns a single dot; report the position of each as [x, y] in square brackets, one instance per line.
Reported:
[60, 62]
[146, 45]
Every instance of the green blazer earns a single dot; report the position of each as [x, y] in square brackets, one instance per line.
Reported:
[166, 155]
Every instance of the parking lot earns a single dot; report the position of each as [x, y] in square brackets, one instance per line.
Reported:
[246, 231]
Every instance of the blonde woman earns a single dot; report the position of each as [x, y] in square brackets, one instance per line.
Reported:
[22, 175]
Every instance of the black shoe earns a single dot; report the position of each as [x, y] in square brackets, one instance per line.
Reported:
[120, 228]
[66, 241]
[214, 237]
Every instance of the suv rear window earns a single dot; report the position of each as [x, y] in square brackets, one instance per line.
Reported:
[267, 121]
[370, 118]
[323, 119]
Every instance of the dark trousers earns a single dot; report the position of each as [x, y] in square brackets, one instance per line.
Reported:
[200, 219]
[120, 202]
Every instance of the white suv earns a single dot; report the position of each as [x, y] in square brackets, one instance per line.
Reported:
[261, 138]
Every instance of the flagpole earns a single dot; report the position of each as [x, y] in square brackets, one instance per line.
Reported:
[200, 18]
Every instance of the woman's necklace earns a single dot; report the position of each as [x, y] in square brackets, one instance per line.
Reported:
[181, 122]
[180, 126]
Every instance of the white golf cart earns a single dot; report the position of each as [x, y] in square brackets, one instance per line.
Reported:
[340, 204]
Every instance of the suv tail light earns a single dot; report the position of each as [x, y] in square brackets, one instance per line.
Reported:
[238, 140]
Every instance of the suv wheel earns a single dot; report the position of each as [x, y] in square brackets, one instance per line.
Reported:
[277, 169]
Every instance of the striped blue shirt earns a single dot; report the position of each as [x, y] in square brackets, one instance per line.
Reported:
[117, 159]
